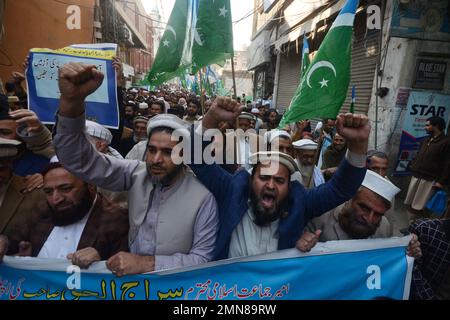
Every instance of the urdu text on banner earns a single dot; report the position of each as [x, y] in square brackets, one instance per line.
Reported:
[42, 81]
[377, 268]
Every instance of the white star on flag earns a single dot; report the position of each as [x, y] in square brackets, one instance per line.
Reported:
[223, 11]
[166, 43]
[323, 83]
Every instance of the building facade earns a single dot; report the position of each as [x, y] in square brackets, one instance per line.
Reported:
[56, 24]
[401, 49]
[243, 77]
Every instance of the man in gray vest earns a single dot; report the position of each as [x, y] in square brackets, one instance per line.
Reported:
[173, 217]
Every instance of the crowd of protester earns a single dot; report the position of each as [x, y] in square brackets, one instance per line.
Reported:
[79, 191]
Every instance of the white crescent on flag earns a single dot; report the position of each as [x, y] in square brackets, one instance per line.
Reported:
[171, 29]
[320, 64]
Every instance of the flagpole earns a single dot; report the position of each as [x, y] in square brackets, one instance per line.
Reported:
[201, 91]
[316, 159]
[234, 77]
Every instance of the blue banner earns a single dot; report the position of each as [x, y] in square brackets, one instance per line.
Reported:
[370, 269]
[42, 81]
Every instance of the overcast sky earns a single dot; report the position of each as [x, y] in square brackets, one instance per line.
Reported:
[242, 30]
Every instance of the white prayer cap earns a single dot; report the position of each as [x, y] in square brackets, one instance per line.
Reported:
[381, 186]
[9, 148]
[269, 136]
[54, 159]
[305, 144]
[133, 91]
[96, 130]
[171, 121]
[247, 115]
[283, 158]
[255, 110]
[143, 106]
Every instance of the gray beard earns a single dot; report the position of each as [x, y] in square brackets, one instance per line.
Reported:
[305, 171]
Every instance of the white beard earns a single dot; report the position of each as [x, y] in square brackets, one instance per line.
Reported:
[305, 171]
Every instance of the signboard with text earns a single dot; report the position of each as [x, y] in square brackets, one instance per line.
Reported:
[430, 74]
[421, 106]
[42, 81]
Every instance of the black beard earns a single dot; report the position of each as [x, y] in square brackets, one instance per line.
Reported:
[168, 178]
[74, 214]
[264, 217]
[354, 227]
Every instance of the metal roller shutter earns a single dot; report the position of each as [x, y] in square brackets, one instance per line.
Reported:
[364, 62]
[289, 78]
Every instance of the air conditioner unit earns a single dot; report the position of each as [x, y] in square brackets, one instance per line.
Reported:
[125, 34]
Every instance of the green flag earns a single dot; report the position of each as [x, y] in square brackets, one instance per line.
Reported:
[170, 61]
[323, 88]
[213, 35]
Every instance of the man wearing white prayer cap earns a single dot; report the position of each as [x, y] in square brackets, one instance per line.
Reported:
[243, 142]
[173, 217]
[361, 217]
[101, 138]
[259, 122]
[245, 121]
[279, 140]
[263, 211]
[305, 154]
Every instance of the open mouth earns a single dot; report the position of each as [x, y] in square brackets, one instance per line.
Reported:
[268, 200]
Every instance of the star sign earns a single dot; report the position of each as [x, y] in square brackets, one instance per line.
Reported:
[223, 11]
[323, 83]
[166, 43]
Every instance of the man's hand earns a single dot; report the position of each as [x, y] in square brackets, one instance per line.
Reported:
[118, 66]
[413, 249]
[308, 240]
[33, 182]
[84, 257]
[124, 263]
[355, 128]
[25, 249]
[3, 246]
[222, 109]
[437, 185]
[28, 118]
[17, 77]
[76, 82]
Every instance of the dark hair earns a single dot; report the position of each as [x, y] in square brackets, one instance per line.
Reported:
[4, 108]
[176, 110]
[159, 103]
[51, 166]
[10, 86]
[167, 130]
[376, 153]
[194, 101]
[437, 122]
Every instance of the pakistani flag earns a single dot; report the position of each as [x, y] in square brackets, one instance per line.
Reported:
[213, 41]
[323, 88]
[172, 57]
[305, 56]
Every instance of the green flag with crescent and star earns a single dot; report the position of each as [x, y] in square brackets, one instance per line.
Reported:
[169, 60]
[213, 41]
[323, 87]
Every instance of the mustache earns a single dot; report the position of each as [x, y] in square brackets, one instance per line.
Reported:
[156, 166]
